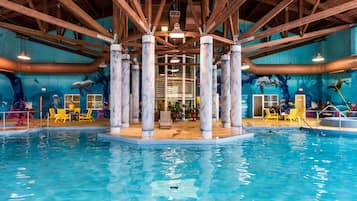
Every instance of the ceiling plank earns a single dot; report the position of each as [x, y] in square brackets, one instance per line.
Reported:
[83, 17]
[305, 20]
[264, 20]
[37, 33]
[158, 15]
[295, 38]
[228, 11]
[140, 24]
[50, 19]
[39, 23]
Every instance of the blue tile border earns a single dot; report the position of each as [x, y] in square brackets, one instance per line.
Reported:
[225, 140]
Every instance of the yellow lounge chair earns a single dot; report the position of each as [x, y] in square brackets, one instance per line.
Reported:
[53, 114]
[292, 116]
[61, 115]
[86, 117]
[269, 115]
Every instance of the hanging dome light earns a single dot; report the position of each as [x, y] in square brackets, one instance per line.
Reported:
[174, 60]
[24, 56]
[318, 58]
[245, 66]
[177, 32]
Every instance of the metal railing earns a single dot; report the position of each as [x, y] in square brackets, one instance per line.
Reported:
[20, 119]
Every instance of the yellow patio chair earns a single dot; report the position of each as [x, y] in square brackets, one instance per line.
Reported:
[61, 115]
[269, 115]
[292, 116]
[53, 114]
[86, 117]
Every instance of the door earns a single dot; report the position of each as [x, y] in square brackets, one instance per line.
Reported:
[258, 106]
[300, 105]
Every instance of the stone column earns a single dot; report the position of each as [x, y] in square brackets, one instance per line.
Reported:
[214, 94]
[115, 88]
[225, 90]
[125, 87]
[236, 87]
[135, 92]
[206, 55]
[148, 86]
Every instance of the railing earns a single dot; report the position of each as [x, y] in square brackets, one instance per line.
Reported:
[329, 111]
[18, 119]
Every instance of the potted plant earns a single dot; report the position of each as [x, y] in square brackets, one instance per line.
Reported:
[194, 112]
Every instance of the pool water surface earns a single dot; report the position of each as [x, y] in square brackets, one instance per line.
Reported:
[279, 165]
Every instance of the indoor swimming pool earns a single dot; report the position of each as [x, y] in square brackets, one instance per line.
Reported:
[285, 164]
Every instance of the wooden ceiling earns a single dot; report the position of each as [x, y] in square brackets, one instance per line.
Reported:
[299, 22]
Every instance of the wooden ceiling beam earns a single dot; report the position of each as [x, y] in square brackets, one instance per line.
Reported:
[39, 23]
[266, 18]
[37, 33]
[164, 42]
[222, 39]
[45, 11]
[316, 5]
[218, 8]
[140, 24]
[204, 13]
[137, 6]
[343, 18]
[279, 48]
[53, 20]
[116, 21]
[195, 17]
[228, 11]
[83, 17]
[148, 10]
[59, 16]
[286, 20]
[60, 47]
[158, 15]
[305, 20]
[296, 38]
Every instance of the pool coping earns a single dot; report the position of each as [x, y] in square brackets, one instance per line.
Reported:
[139, 141]
[32, 130]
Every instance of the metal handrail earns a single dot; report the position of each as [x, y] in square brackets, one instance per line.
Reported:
[331, 106]
[16, 112]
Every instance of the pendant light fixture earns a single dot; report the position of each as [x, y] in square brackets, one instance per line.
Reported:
[318, 57]
[23, 55]
[177, 32]
[174, 60]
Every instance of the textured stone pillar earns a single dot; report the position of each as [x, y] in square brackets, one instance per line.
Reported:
[236, 87]
[148, 87]
[125, 93]
[115, 88]
[206, 55]
[214, 94]
[135, 92]
[225, 90]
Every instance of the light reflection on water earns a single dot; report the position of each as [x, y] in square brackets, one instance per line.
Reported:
[275, 166]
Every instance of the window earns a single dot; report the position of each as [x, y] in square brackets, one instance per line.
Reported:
[74, 98]
[270, 100]
[95, 101]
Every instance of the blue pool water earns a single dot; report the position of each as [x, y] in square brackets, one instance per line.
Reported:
[283, 165]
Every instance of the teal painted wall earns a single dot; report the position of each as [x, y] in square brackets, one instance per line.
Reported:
[354, 40]
[337, 45]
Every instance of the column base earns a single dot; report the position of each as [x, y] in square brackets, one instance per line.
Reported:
[115, 130]
[237, 129]
[147, 134]
[135, 120]
[125, 125]
[206, 134]
[226, 124]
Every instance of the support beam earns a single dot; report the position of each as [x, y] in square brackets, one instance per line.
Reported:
[158, 15]
[39, 23]
[137, 6]
[37, 33]
[228, 11]
[270, 15]
[164, 42]
[195, 17]
[53, 20]
[295, 38]
[83, 17]
[141, 25]
[343, 18]
[148, 10]
[305, 20]
[222, 39]
[312, 12]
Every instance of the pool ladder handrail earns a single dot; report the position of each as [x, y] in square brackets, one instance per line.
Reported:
[340, 113]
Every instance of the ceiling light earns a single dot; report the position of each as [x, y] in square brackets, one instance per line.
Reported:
[318, 58]
[102, 65]
[174, 60]
[177, 32]
[164, 28]
[24, 56]
[245, 66]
